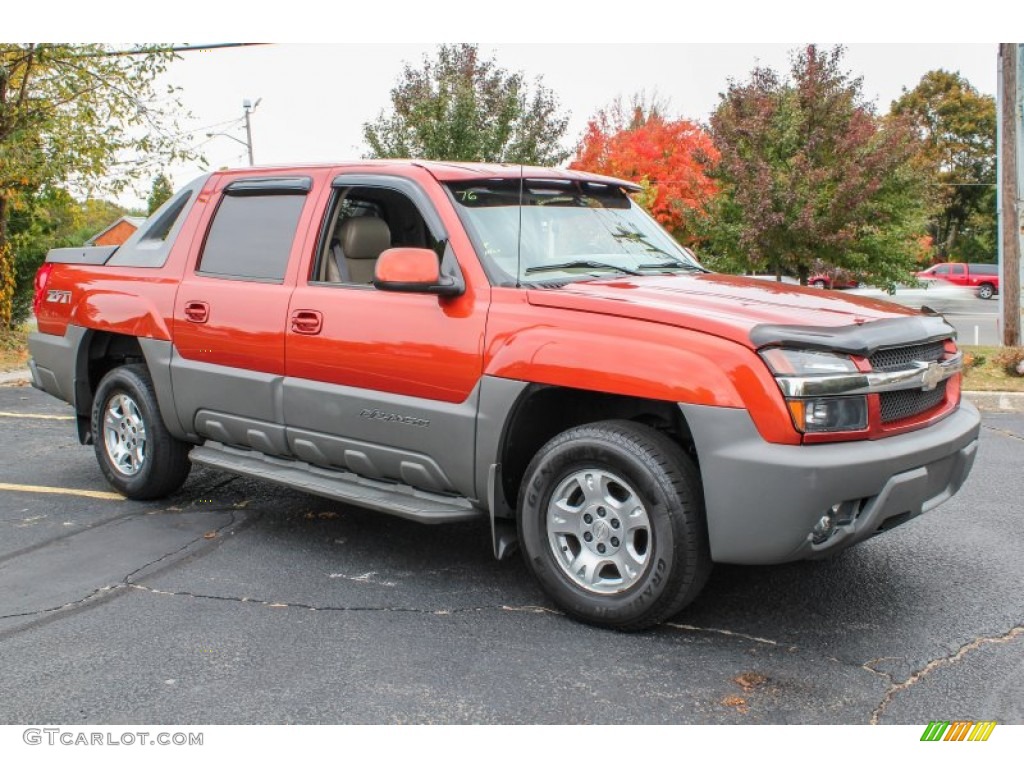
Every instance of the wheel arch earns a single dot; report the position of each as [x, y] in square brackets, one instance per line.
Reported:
[539, 412]
[99, 352]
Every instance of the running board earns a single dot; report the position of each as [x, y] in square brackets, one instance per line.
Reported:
[392, 498]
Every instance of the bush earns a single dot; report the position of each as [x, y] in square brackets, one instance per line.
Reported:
[973, 360]
[1011, 360]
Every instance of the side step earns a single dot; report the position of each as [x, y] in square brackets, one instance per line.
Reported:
[392, 498]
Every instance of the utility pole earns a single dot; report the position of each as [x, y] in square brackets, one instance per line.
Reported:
[249, 108]
[1009, 193]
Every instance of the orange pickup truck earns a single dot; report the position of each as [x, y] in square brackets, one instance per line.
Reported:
[520, 346]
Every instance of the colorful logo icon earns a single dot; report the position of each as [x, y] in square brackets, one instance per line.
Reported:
[958, 730]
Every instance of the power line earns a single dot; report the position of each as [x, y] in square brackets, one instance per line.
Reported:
[172, 48]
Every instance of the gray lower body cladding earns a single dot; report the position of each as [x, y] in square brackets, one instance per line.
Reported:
[53, 360]
[764, 499]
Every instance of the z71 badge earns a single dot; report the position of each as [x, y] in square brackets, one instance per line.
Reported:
[58, 297]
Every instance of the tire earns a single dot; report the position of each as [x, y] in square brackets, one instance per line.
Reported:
[986, 291]
[599, 479]
[819, 284]
[136, 453]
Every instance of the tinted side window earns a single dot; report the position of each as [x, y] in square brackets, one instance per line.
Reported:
[162, 226]
[252, 236]
[942, 270]
[985, 269]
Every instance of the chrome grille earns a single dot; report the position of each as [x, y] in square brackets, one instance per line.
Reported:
[906, 403]
[901, 357]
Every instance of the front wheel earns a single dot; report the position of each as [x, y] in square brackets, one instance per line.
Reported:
[611, 523]
[136, 453]
[820, 284]
[986, 291]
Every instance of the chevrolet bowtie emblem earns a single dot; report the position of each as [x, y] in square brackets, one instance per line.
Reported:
[931, 377]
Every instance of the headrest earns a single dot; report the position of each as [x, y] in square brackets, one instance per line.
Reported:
[364, 237]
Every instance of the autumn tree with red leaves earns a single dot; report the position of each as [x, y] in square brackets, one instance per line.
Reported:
[809, 173]
[666, 157]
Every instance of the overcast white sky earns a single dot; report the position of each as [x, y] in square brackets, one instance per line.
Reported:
[317, 95]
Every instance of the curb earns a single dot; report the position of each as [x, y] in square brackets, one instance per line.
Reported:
[15, 377]
[997, 401]
[985, 401]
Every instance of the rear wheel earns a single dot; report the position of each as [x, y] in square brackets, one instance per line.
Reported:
[612, 524]
[986, 291]
[137, 454]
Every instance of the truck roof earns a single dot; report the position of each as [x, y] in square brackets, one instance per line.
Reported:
[458, 171]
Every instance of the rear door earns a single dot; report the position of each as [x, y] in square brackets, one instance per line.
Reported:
[230, 313]
[958, 274]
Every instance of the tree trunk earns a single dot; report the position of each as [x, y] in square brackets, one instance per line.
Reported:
[6, 270]
[950, 239]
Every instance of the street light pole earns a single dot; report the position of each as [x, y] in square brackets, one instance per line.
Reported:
[1009, 194]
[249, 108]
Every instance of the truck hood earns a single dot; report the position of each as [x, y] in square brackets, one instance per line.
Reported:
[724, 305]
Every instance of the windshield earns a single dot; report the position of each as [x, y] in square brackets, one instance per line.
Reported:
[570, 230]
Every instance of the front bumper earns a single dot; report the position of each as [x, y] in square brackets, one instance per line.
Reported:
[763, 499]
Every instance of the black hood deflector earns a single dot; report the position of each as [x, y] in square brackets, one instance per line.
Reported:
[861, 339]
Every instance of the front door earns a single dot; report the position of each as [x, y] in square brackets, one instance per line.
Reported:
[379, 383]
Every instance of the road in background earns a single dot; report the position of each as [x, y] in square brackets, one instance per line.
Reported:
[976, 320]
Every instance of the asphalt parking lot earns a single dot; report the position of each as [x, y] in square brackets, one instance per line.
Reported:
[239, 602]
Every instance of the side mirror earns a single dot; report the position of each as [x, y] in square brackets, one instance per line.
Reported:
[412, 270]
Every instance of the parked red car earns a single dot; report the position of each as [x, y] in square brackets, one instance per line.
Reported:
[833, 278]
[984, 277]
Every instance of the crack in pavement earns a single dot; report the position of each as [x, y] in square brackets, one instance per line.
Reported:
[1001, 431]
[77, 532]
[868, 666]
[108, 588]
[127, 580]
[943, 661]
[345, 608]
[73, 603]
[730, 633]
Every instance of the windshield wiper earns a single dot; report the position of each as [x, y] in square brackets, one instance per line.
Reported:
[673, 265]
[582, 264]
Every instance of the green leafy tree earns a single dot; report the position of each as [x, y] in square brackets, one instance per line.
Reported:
[159, 193]
[81, 117]
[50, 218]
[809, 174]
[459, 106]
[957, 125]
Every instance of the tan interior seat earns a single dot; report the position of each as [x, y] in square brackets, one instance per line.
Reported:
[363, 239]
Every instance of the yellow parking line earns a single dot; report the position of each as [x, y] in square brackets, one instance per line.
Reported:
[35, 416]
[67, 491]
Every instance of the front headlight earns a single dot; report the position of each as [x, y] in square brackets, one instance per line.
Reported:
[817, 414]
[829, 414]
[806, 362]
